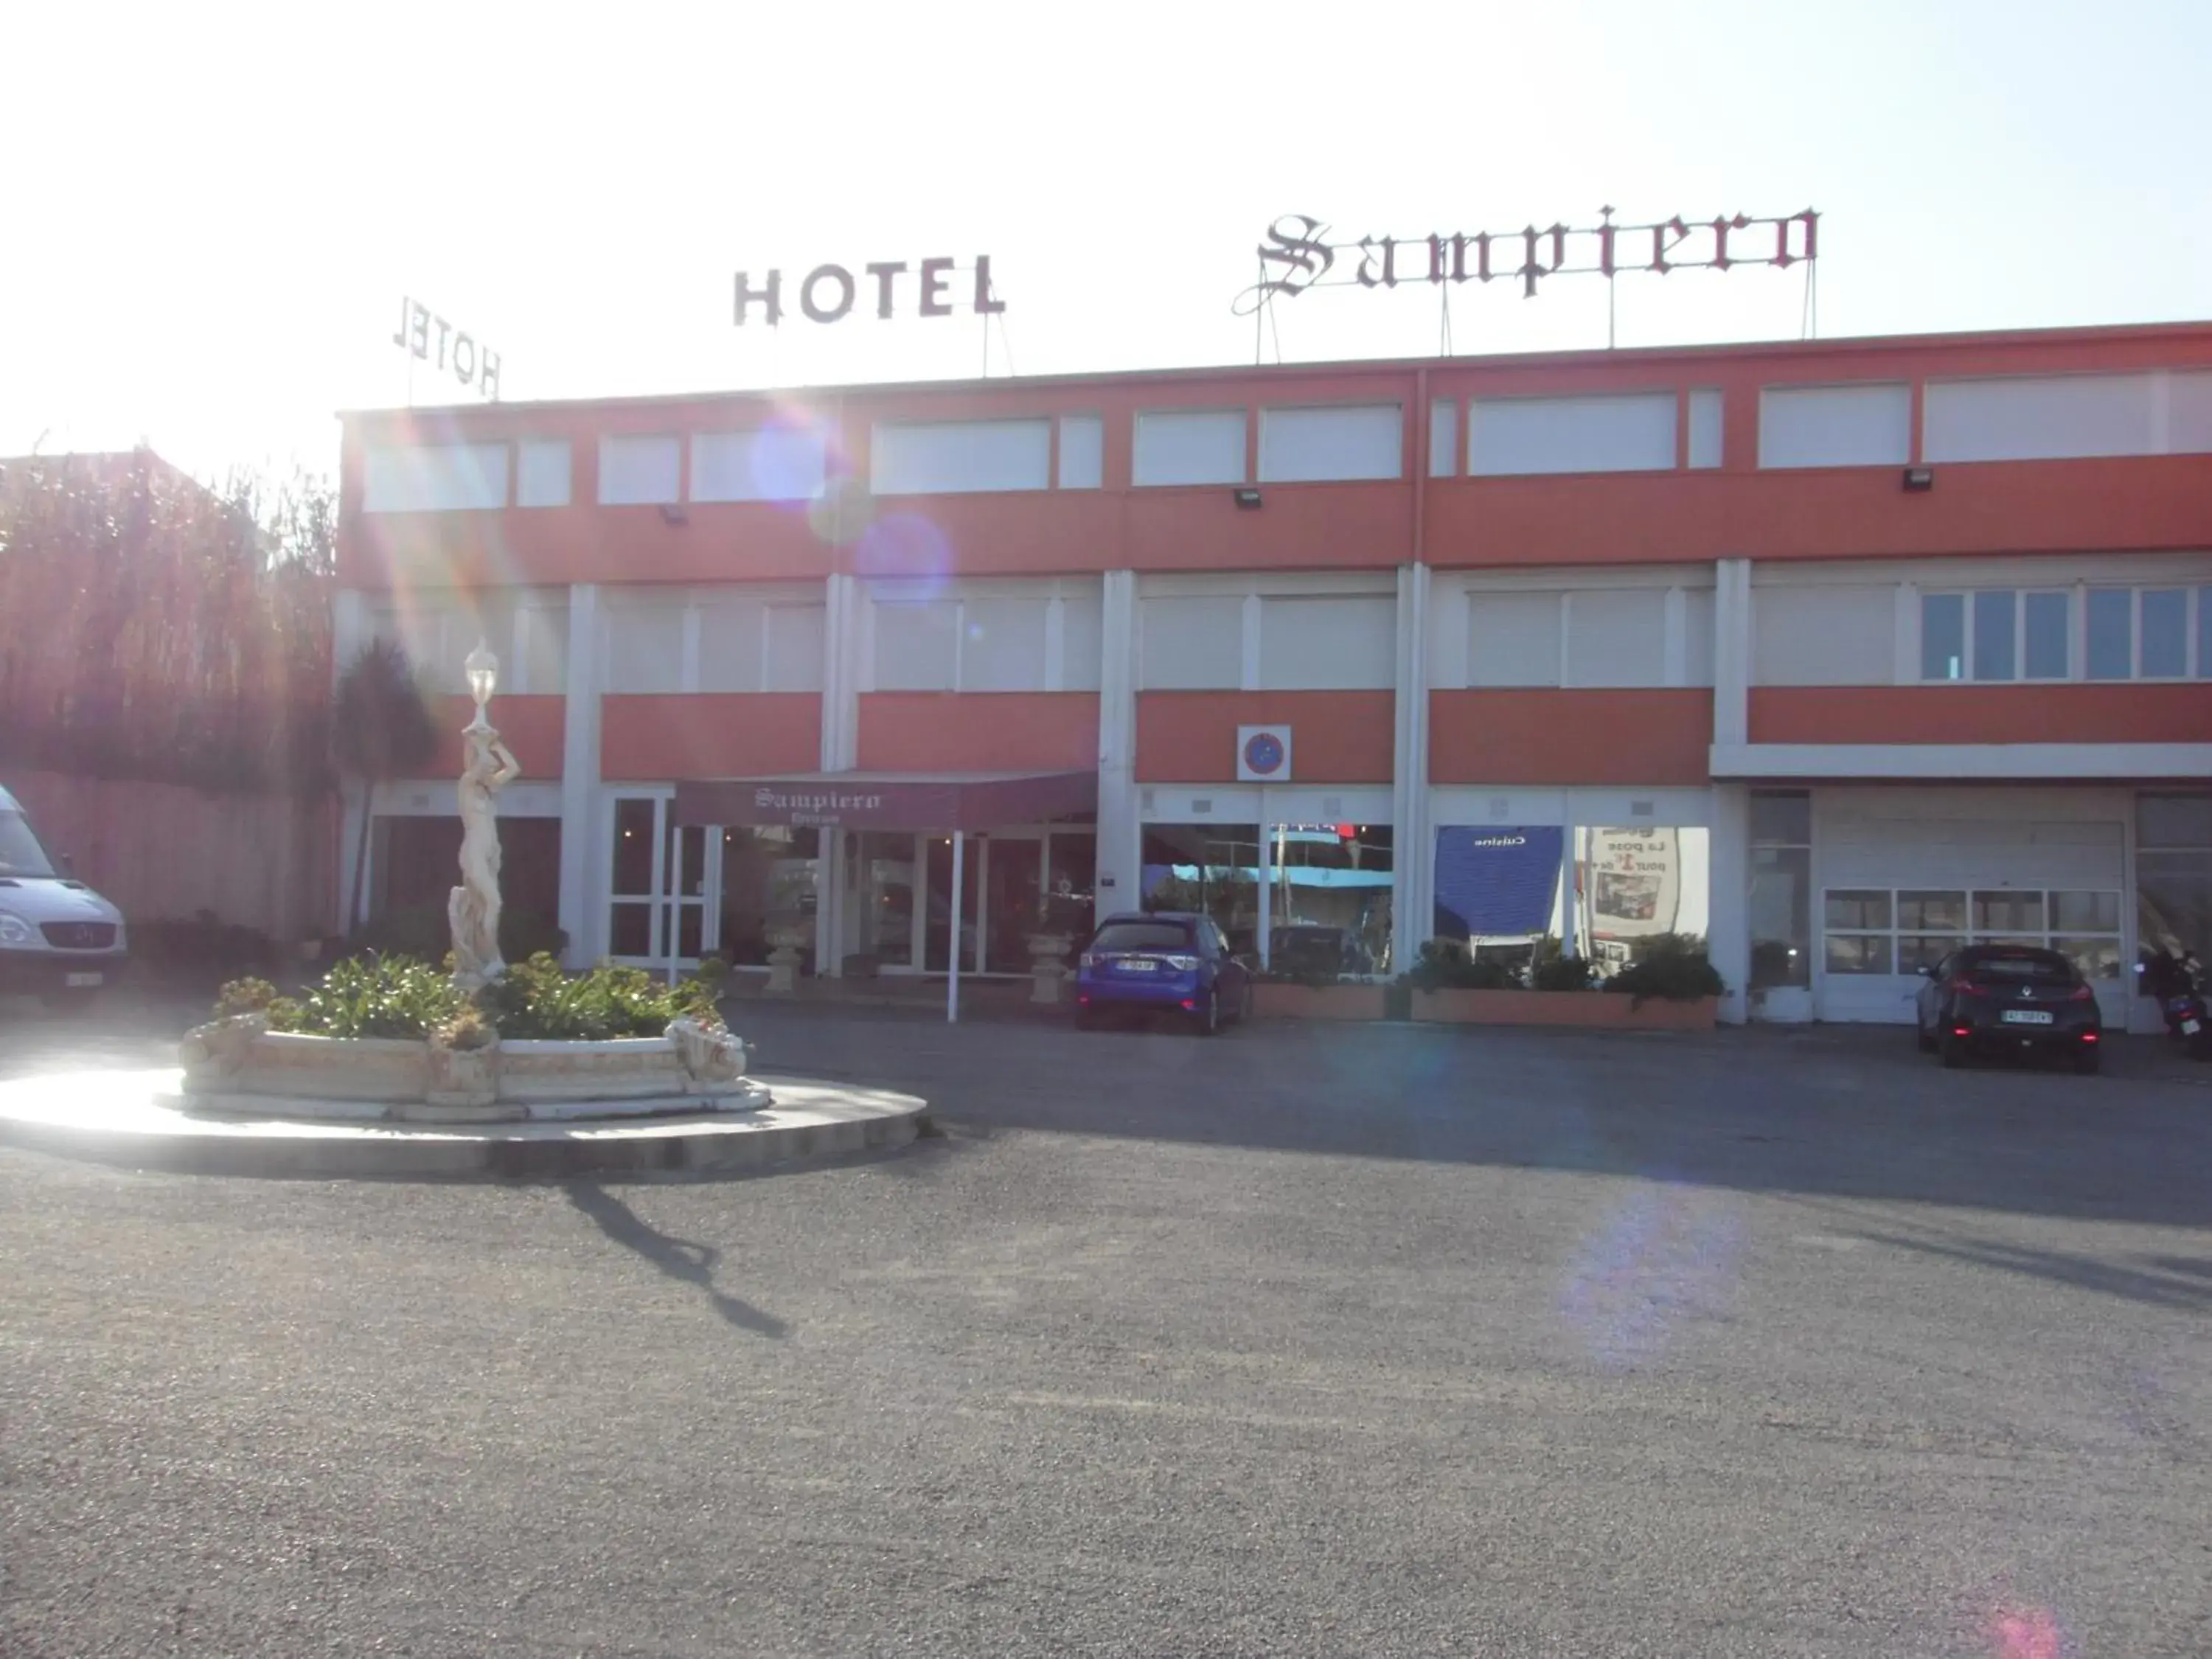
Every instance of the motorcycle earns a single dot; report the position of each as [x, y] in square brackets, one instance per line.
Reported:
[2178, 983]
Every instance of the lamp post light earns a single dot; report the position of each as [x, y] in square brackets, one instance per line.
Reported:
[483, 669]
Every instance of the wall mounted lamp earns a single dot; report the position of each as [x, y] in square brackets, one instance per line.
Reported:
[1917, 478]
[1248, 499]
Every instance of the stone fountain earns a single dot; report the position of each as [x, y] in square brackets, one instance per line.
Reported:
[237, 1065]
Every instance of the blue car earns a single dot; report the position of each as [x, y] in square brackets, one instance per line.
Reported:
[1166, 961]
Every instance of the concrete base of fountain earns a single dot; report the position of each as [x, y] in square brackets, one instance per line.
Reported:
[237, 1067]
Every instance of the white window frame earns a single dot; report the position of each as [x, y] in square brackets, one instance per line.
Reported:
[2076, 642]
[1968, 933]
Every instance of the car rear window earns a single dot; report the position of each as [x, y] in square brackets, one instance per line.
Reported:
[2053, 969]
[1143, 936]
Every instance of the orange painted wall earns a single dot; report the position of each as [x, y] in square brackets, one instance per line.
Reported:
[734, 734]
[2137, 503]
[1567, 736]
[533, 728]
[1337, 737]
[1981, 714]
[1825, 513]
[979, 731]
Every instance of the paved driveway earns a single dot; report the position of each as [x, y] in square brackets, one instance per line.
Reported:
[1301, 1341]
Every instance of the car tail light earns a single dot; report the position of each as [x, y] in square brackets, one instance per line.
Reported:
[1180, 963]
[1190, 1004]
[1967, 987]
[1962, 1030]
[2081, 993]
[2089, 1036]
[1084, 1000]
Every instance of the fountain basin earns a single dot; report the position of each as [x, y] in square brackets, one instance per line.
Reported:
[237, 1067]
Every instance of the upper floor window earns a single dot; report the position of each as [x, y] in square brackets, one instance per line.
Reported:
[950, 457]
[1188, 447]
[1995, 633]
[434, 477]
[1869, 424]
[1632, 432]
[2124, 634]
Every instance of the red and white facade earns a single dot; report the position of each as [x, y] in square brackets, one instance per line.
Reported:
[1691, 593]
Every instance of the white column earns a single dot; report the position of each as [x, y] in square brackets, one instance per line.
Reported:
[1263, 885]
[1728, 935]
[952, 945]
[583, 901]
[842, 597]
[1119, 834]
[1411, 882]
[1732, 651]
[1569, 904]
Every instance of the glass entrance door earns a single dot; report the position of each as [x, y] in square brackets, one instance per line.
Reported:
[939, 920]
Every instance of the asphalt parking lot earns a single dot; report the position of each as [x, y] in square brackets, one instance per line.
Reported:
[1304, 1340]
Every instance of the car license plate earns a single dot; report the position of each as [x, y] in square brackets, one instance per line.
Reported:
[2027, 1016]
[2192, 1027]
[1138, 965]
[81, 982]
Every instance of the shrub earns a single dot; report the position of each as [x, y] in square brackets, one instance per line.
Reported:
[1563, 974]
[534, 1000]
[397, 996]
[1445, 965]
[1670, 966]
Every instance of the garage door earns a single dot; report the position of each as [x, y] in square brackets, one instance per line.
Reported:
[1900, 893]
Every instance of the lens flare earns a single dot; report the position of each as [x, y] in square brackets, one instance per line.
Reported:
[1666, 1257]
[2026, 1633]
[903, 544]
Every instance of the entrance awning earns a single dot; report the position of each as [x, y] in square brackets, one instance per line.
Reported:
[938, 801]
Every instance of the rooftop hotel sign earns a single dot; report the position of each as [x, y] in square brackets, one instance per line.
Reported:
[1301, 253]
[828, 293]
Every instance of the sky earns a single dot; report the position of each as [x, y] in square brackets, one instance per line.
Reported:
[218, 208]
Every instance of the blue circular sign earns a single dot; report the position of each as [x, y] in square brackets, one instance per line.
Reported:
[1263, 753]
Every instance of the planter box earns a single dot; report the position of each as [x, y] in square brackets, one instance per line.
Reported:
[1273, 1000]
[1584, 1010]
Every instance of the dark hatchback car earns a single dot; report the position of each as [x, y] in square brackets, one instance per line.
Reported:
[2015, 998]
[1166, 961]
[1304, 948]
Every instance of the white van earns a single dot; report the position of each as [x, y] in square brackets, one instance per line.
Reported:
[58, 937]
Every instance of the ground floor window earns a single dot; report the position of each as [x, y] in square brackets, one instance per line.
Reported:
[766, 873]
[1780, 900]
[1507, 889]
[417, 864]
[2173, 876]
[1327, 896]
[1868, 931]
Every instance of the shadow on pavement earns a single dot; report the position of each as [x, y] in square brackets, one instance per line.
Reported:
[679, 1258]
[1852, 1114]
[2155, 1289]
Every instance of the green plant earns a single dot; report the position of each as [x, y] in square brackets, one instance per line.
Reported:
[1445, 965]
[1670, 966]
[535, 999]
[374, 996]
[468, 1029]
[244, 996]
[1559, 973]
